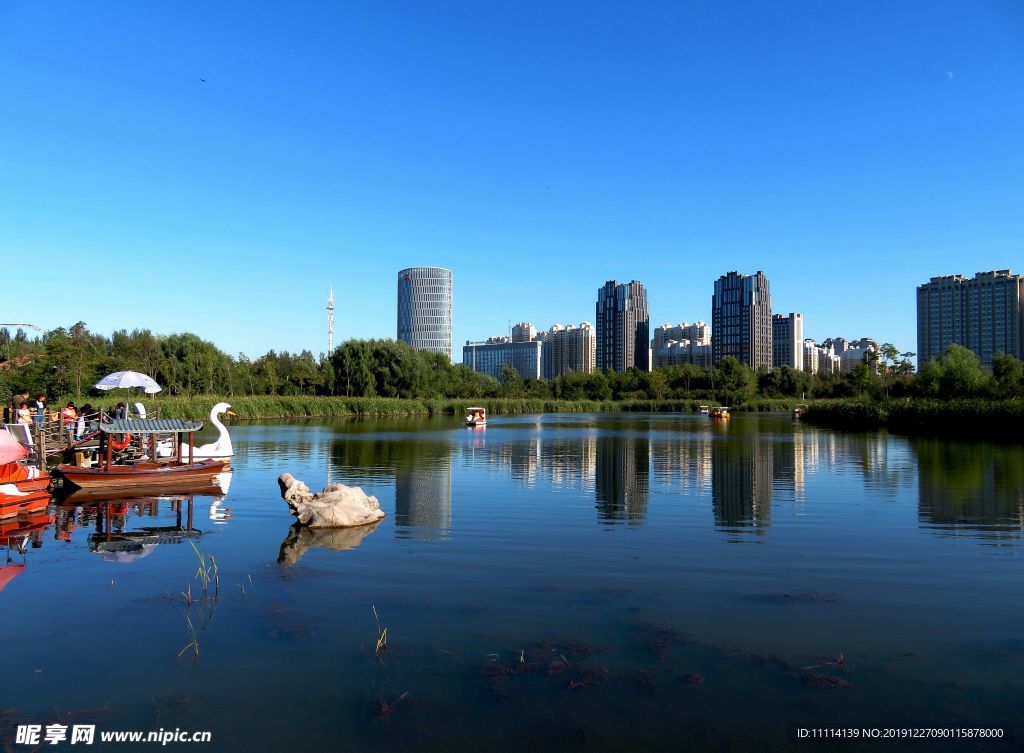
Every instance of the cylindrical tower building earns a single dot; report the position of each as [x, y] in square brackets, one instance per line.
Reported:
[425, 309]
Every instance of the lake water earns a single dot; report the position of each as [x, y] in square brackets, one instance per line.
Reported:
[614, 582]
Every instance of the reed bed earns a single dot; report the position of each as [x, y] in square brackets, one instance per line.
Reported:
[976, 417]
[198, 407]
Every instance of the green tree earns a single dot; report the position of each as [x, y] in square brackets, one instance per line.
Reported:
[1007, 376]
[734, 382]
[511, 382]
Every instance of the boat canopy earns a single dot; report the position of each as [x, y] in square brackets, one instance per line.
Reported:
[150, 426]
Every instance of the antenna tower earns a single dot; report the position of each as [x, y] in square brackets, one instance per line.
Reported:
[330, 322]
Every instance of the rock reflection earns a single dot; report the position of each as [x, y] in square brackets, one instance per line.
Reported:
[970, 489]
[300, 539]
[622, 485]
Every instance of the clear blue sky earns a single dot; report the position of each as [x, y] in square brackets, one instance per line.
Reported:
[850, 150]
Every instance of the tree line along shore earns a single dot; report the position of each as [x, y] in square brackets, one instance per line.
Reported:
[385, 377]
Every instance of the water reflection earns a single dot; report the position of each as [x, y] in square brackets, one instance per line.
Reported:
[423, 499]
[114, 542]
[301, 539]
[622, 484]
[973, 489]
[741, 485]
[419, 467]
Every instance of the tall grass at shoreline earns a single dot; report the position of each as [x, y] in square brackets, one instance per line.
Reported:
[198, 407]
[975, 417]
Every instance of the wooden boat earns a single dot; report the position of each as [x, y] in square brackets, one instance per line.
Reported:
[476, 417]
[721, 411]
[798, 411]
[143, 475]
[202, 487]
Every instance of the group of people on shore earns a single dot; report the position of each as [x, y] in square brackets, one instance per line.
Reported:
[25, 410]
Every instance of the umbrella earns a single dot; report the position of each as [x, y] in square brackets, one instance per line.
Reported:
[127, 380]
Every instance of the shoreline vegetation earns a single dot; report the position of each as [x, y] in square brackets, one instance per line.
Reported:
[260, 408]
[950, 394]
[962, 417]
[988, 418]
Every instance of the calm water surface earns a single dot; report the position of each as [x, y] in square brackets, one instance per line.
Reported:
[560, 582]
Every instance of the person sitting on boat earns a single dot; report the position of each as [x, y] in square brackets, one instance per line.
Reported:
[24, 414]
[118, 413]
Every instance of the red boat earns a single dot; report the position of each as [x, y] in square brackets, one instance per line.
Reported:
[26, 478]
[13, 500]
[14, 475]
[143, 476]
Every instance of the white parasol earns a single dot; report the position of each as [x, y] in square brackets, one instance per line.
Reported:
[127, 380]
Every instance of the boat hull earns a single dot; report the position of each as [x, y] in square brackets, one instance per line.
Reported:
[12, 504]
[142, 476]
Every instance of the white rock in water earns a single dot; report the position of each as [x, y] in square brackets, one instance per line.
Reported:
[337, 506]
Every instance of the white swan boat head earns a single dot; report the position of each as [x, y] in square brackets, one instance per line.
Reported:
[221, 449]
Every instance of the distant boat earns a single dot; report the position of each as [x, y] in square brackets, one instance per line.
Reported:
[704, 410]
[721, 411]
[476, 417]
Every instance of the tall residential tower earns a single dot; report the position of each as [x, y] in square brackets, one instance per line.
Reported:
[425, 309]
[741, 319]
[623, 327]
[985, 315]
[788, 341]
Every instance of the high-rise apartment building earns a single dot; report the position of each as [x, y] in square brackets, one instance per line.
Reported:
[490, 357]
[788, 341]
[568, 349]
[741, 319]
[697, 333]
[425, 309]
[523, 332]
[623, 327]
[984, 314]
[678, 352]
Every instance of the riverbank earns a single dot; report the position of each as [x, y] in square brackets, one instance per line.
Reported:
[996, 419]
[267, 407]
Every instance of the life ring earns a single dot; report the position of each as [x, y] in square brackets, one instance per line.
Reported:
[125, 441]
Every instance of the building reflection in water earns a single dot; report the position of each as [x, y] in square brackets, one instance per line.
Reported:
[741, 483]
[622, 482]
[972, 489]
[423, 499]
[420, 469]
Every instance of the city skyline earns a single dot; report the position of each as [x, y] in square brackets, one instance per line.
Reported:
[866, 151]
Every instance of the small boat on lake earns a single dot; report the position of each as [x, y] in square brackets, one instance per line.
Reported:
[721, 411]
[122, 473]
[704, 410]
[476, 417]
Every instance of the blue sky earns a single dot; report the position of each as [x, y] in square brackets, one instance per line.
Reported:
[850, 150]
